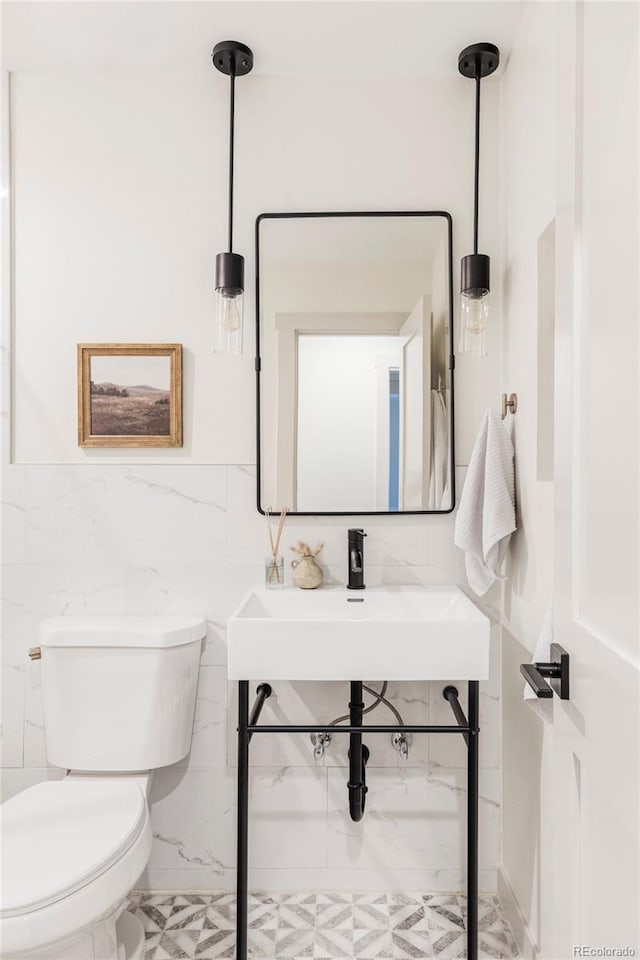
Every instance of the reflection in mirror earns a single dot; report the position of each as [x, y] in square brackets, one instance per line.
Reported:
[355, 386]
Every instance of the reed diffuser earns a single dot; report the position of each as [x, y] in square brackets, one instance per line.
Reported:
[274, 565]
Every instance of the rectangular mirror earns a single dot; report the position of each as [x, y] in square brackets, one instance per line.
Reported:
[355, 363]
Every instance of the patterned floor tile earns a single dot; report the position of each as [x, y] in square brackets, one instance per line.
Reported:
[324, 926]
[186, 916]
[215, 943]
[374, 898]
[409, 943]
[448, 944]
[295, 943]
[373, 944]
[151, 942]
[367, 916]
[264, 916]
[330, 944]
[262, 943]
[334, 911]
[153, 919]
[405, 899]
[178, 945]
[221, 914]
[444, 912]
[298, 912]
[408, 916]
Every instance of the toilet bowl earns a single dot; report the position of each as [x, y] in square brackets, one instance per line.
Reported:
[73, 849]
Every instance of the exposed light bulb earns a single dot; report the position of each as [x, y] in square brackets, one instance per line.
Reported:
[228, 323]
[231, 318]
[474, 314]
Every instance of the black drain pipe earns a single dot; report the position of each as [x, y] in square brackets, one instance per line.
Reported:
[358, 755]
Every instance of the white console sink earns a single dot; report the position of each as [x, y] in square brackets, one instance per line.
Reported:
[381, 633]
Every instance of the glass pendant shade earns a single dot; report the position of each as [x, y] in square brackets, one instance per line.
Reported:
[474, 304]
[228, 323]
[229, 304]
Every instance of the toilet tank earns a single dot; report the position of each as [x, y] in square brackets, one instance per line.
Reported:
[119, 693]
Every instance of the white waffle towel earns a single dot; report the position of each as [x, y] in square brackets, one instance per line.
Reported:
[543, 706]
[487, 517]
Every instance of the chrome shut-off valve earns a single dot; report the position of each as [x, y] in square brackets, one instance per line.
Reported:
[320, 742]
[401, 742]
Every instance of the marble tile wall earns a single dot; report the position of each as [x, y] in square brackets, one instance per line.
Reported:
[187, 539]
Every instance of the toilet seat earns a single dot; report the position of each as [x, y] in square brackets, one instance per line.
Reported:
[72, 851]
[59, 836]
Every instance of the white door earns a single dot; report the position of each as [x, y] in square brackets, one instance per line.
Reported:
[594, 863]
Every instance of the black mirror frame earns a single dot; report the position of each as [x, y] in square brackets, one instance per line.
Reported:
[358, 213]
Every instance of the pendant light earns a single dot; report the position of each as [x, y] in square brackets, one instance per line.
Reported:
[477, 61]
[235, 60]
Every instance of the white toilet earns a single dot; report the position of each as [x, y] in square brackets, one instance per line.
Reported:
[119, 697]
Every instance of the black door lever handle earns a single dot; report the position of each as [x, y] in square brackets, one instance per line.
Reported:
[557, 671]
[535, 680]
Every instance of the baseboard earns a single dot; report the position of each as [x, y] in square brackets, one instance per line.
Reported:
[527, 945]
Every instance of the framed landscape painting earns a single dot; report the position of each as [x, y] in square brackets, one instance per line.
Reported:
[130, 394]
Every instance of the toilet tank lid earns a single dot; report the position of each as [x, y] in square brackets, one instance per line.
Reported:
[119, 631]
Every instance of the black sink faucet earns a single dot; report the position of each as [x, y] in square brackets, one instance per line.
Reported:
[355, 559]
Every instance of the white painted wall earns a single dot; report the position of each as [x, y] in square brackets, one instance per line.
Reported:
[119, 204]
[570, 790]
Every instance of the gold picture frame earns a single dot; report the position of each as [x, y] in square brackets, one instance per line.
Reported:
[136, 404]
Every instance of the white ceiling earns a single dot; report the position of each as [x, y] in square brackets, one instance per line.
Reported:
[298, 37]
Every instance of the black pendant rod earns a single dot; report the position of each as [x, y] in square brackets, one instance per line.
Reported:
[232, 106]
[476, 62]
[477, 168]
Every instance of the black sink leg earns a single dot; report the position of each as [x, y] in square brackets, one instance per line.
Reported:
[472, 822]
[243, 820]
